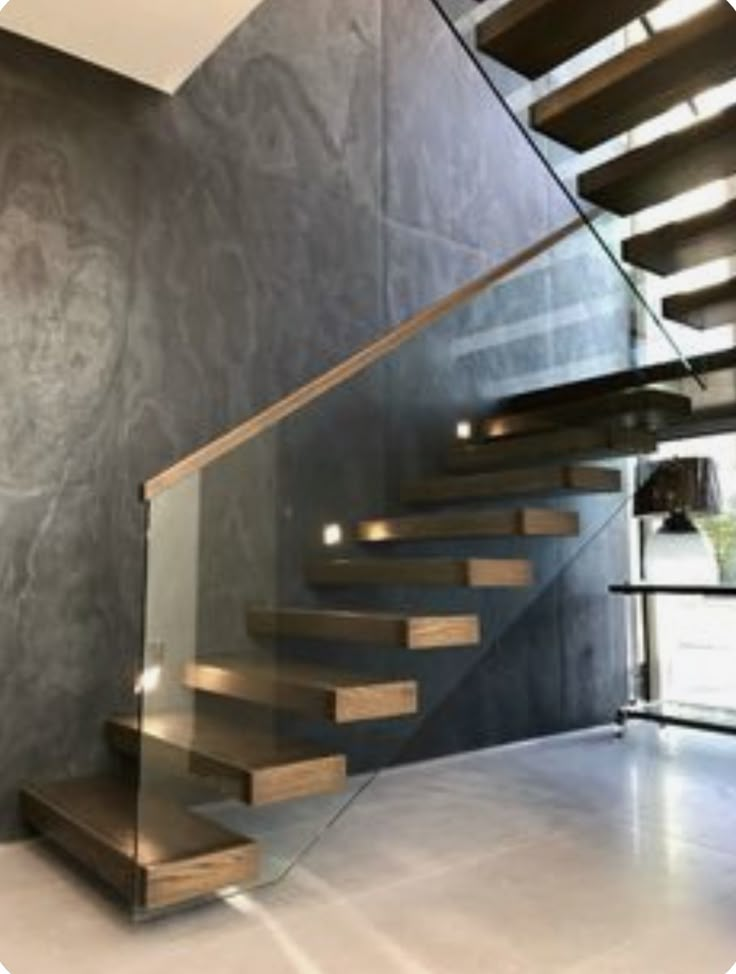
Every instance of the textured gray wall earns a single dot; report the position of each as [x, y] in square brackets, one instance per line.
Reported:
[169, 266]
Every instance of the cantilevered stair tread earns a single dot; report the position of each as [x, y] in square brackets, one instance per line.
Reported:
[381, 628]
[705, 308]
[683, 244]
[525, 522]
[264, 768]
[583, 443]
[534, 36]
[328, 693]
[656, 172]
[641, 408]
[570, 479]
[447, 572]
[151, 851]
[642, 82]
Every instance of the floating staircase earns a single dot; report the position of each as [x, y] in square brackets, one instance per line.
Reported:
[668, 69]
[180, 856]
[157, 854]
[646, 80]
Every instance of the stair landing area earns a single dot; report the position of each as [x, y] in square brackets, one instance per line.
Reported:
[561, 858]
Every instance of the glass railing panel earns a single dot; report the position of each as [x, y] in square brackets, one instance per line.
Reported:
[247, 531]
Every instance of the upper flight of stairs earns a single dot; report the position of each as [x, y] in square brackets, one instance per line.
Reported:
[534, 36]
[669, 68]
[685, 244]
[657, 172]
[644, 81]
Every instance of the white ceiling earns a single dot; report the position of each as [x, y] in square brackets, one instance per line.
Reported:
[157, 42]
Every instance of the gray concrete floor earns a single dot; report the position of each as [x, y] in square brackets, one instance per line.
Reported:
[580, 854]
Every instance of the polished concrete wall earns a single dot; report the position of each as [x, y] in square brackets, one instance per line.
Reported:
[169, 266]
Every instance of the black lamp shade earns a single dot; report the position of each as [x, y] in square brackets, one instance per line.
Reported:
[681, 484]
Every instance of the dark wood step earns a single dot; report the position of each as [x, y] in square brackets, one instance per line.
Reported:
[446, 572]
[535, 36]
[526, 522]
[381, 628]
[327, 693]
[679, 246]
[708, 307]
[262, 767]
[672, 370]
[642, 82]
[508, 483]
[151, 851]
[634, 408]
[518, 451]
[654, 173]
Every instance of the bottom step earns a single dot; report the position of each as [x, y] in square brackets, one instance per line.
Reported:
[180, 857]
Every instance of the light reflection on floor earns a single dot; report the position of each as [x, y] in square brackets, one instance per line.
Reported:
[578, 855]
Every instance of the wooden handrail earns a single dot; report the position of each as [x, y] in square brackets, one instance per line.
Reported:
[358, 362]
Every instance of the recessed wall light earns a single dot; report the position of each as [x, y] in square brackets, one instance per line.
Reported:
[332, 535]
[464, 430]
[149, 680]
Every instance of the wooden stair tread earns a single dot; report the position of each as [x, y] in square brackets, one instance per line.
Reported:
[683, 244]
[534, 36]
[266, 768]
[521, 523]
[591, 442]
[650, 407]
[642, 82]
[654, 173]
[331, 694]
[460, 572]
[551, 479]
[385, 628]
[707, 307]
[152, 851]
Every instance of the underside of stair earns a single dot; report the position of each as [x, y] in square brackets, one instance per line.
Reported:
[440, 572]
[537, 480]
[151, 851]
[380, 628]
[262, 767]
[705, 308]
[681, 245]
[583, 443]
[636, 408]
[642, 82]
[534, 36]
[316, 691]
[478, 524]
[657, 172]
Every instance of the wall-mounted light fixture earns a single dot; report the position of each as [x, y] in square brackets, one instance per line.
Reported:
[332, 535]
